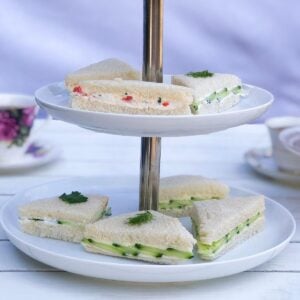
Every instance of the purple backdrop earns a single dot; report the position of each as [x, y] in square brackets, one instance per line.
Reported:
[40, 41]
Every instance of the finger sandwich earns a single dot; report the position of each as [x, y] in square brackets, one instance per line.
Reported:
[213, 92]
[178, 193]
[106, 69]
[63, 217]
[132, 97]
[221, 225]
[144, 235]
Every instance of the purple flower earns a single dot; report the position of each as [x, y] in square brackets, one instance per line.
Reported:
[28, 115]
[8, 127]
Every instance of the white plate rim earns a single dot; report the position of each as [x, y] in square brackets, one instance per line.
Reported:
[157, 117]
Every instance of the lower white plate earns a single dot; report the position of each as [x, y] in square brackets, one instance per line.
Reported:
[72, 258]
[261, 160]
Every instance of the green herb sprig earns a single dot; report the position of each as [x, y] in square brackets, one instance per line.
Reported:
[201, 74]
[140, 219]
[72, 198]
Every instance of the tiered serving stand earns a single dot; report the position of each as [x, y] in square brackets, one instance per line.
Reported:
[55, 99]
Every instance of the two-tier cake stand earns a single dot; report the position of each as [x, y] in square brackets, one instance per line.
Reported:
[71, 257]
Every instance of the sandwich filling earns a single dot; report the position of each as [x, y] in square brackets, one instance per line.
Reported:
[137, 250]
[181, 204]
[50, 221]
[210, 249]
[215, 97]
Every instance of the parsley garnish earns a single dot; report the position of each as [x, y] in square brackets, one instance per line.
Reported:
[141, 218]
[74, 197]
[201, 74]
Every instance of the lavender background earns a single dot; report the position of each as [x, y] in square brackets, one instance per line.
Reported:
[40, 41]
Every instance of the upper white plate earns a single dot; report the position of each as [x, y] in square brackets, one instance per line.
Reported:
[71, 257]
[55, 99]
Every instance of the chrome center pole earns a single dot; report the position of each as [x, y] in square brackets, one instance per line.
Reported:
[152, 71]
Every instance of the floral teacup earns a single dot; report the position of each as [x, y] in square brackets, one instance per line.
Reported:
[17, 114]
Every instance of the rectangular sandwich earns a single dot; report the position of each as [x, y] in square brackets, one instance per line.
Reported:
[106, 69]
[213, 92]
[145, 235]
[63, 217]
[178, 193]
[221, 225]
[132, 97]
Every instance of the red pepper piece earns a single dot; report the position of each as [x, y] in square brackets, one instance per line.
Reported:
[127, 98]
[77, 89]
[166, 103]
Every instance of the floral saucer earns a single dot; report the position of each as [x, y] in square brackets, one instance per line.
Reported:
[38, 153]
[261, 160]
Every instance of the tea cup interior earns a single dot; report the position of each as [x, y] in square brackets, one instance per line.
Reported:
[16, 101]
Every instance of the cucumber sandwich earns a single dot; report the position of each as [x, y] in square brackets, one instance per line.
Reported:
[178, 193]
[62, 217]
[221, 225]
[213, 92]
[145, 235]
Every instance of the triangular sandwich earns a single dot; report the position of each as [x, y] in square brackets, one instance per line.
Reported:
[145, 235]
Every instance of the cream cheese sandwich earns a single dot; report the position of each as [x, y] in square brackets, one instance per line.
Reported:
[63, 217]
[132, 97]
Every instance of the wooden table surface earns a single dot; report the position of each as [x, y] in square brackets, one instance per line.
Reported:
[116, 159]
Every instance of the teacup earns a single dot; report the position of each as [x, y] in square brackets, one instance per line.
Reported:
[285, 160]
[290, 139]
[17, 114]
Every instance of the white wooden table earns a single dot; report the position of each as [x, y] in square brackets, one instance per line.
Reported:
[113, 158]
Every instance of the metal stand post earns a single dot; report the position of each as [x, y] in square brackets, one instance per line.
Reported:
[152, 71]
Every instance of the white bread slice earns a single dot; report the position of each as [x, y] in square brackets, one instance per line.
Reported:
[177, 212]
[183, 187]
[214, 219]
[162, 232]
[145, 97]
[106, 69]
[247, 233]
[55, 208]
[66, 233]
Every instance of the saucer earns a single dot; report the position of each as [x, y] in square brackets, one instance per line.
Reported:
[38, 153]
[261, 160]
